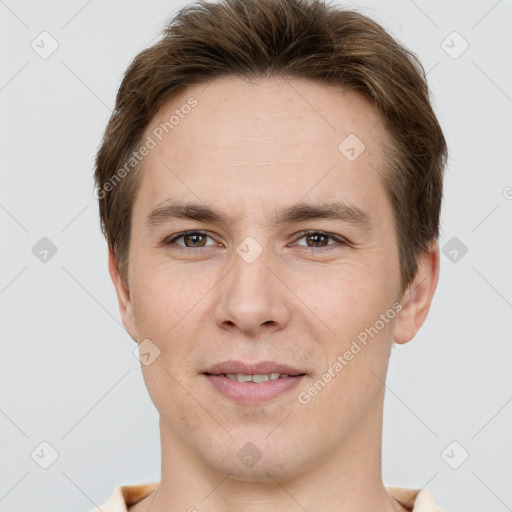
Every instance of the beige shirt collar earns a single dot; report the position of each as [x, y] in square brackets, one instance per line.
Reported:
[124, 496]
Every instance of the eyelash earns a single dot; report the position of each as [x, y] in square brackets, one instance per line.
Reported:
[301, 234]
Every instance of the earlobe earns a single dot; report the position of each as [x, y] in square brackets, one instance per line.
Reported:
[123, 295]
[418, 297]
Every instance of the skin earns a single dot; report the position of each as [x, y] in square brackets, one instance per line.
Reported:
[249, 148]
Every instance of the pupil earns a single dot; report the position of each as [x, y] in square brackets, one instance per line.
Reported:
[316, 237]
[193, 237]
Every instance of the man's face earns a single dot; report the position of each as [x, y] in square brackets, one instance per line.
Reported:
[252, 290]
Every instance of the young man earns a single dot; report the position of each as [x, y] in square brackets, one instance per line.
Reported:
[270, 185]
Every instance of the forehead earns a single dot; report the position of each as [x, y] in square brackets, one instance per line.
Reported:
[290, 109]
[267, 140]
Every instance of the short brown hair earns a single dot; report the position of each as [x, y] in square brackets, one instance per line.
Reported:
[306, 39]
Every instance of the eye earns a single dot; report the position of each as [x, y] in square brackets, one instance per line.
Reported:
[191, 239]
[319, 239]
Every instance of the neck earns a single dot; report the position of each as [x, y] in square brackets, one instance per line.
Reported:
[347, 480]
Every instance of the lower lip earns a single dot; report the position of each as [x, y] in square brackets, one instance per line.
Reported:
[253, 392]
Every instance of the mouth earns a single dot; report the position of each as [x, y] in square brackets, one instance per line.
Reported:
[256, 378]
[253, 383]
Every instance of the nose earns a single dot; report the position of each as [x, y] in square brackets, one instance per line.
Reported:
[252, 299]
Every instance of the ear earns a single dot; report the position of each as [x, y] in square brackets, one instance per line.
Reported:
[123, 295]
[417, 298]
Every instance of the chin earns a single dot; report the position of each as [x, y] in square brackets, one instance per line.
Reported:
[258, 461]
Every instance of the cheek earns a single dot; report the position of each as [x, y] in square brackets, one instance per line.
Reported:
[345, 299]
[356, 306]
[170, 313]
[171, 396]
[165, 299]
[351, 383]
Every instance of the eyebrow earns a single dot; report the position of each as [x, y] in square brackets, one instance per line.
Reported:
[298, 212]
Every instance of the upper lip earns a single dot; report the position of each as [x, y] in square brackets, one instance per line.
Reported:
[257, 368]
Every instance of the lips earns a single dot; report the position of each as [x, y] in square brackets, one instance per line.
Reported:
[253, 383]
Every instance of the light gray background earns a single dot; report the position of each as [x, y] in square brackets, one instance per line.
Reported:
[67, 372]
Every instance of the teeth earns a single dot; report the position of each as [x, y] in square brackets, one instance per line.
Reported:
[240, 377]
[261, 378]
